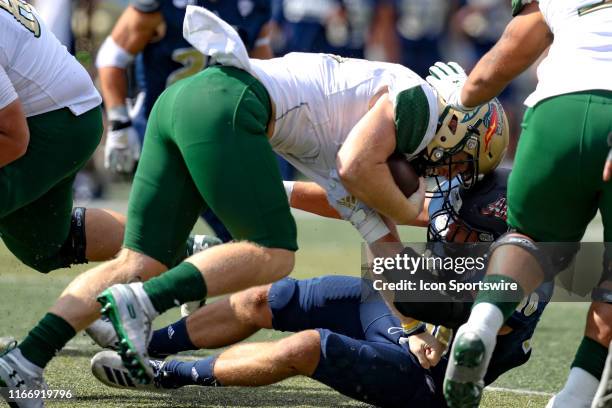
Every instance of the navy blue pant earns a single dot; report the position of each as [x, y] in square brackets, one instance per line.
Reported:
[360, 353]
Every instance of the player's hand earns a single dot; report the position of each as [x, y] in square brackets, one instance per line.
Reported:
[448, 80]
[607, 171]
[426, 348]
[122, 149]
[417, 199]
[365, 219]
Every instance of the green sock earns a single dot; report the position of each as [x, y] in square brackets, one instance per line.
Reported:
[505, 299]
[44, 341]
[183, 283]
[591, 357]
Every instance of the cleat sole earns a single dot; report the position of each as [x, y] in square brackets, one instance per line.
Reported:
[136, 367]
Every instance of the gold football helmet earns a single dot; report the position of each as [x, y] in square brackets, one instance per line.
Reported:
[482, 133]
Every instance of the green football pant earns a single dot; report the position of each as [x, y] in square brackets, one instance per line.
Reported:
[206, 146]
[36, 190]
[556, 186]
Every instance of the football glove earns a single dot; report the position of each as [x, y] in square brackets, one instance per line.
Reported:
[122, 149]
[365, 219]
[448, 80]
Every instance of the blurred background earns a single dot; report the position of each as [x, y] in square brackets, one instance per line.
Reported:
[415, 33]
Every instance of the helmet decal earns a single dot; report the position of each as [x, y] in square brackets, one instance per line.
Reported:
[471, 115]
[493, 121]
[497, 209]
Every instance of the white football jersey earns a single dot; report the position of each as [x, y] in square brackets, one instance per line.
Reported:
[319, 98]
[36, 68]
[580, 57]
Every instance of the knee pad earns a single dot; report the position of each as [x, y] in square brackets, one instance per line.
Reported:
[552, 258]
[73, 252]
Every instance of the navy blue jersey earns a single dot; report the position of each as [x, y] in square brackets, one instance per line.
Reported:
[172, 58]
[331, 26]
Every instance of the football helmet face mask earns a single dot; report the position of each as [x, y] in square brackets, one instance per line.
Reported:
[475, 215]
[466, 144]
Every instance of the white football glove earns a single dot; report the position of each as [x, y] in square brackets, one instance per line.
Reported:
[122, 149]
[448, 80]
[366, 220]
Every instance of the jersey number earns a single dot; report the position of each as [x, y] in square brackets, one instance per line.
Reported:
[192, 61]
[594, 7]
[23, 13]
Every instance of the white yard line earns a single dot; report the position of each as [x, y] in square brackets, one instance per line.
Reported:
[519, 391]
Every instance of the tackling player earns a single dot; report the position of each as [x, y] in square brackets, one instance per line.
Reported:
[345, 335]
[560, 163]
[150, 32]
[232, 118]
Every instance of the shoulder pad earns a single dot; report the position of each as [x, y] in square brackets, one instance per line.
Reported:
[146, 6]
[518, 5]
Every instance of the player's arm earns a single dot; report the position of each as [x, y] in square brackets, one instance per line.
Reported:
[362, 165]
[525, 38]
[133, 31]
[383, 36]
[14, 131]
[311, 197]
[262, 48]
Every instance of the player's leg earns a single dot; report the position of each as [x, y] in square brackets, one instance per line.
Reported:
[589, 363]
[332, 302]
[552, 197]
[247, 364]
[219, 324]
[249, 199]
[601, 317]
[38, 223]
[155, 228]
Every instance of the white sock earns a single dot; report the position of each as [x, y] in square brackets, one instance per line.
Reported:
[578, 391]
[486, 319]
[144, 300]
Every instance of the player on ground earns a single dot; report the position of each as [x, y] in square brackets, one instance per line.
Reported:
[304, 106]
[346, 337]
[554, 164]
[152, 33]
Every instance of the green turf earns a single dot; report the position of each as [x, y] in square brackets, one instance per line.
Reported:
[327, 247]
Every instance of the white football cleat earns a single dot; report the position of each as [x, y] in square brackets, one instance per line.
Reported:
[103, 333]
[17, 374]
[108, 368]
[131, 312]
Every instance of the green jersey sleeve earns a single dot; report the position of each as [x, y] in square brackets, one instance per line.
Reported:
[412, 119]
[518, 5]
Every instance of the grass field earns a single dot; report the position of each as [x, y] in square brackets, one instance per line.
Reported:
[326, 247]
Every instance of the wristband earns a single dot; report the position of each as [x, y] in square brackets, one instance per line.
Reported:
[288, 188]
[118, 118]
[416, 327]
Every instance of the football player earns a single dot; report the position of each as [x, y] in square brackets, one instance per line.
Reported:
[150, 32]
[50, 124]
[563, 165]
[345, 335]
[303, 106]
